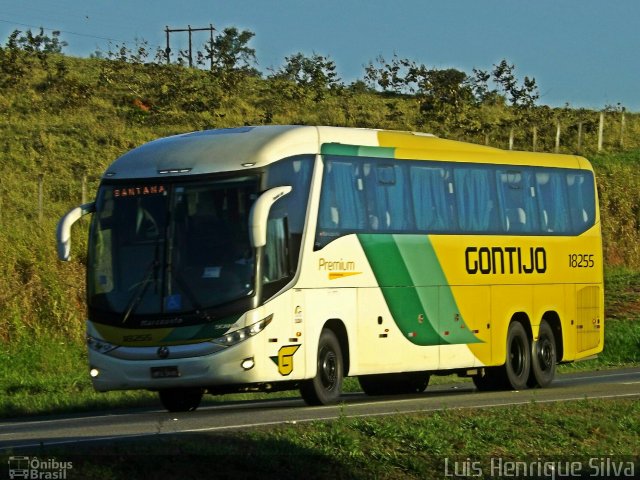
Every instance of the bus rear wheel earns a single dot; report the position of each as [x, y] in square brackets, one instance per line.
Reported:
[326, 387]
[518, 363]
[181, 399]
[394, 383]
[543, 357]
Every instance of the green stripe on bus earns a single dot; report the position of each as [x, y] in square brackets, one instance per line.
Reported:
[393, 277]
[428, 306]
[424, 267]
[357, 150]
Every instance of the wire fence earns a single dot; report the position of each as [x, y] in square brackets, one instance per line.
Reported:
[608, 132]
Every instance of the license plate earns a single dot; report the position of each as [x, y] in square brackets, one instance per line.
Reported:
[164, 372]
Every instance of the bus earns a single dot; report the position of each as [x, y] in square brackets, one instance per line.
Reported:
[290, 257]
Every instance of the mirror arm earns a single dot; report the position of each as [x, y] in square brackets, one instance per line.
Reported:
[63, 232]
[258, 233]
[260, 213]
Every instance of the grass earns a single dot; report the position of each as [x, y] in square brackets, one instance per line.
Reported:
[622, 293]
[399, 446]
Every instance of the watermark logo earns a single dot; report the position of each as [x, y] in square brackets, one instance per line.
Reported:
[34, 468]
[539, 468]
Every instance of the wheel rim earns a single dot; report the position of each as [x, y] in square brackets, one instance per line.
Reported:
[328, 369]
[517, 356]
[545, 353]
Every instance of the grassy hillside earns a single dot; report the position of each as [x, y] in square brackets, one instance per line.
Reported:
[64, 120]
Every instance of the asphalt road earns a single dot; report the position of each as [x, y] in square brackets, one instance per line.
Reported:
[79, 428]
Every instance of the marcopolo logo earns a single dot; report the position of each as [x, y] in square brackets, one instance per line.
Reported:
[34, 468]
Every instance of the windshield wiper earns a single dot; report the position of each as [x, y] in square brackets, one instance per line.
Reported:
[141, 289]
[199, 310]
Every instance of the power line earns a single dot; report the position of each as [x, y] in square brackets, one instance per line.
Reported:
[11, 22]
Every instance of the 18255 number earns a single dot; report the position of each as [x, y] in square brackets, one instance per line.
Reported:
[579, 260]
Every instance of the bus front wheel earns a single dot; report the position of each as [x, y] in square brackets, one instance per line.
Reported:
[181, 399]
[325, 388]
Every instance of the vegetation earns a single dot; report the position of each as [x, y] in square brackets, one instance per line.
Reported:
[399, 446]
[65, 119]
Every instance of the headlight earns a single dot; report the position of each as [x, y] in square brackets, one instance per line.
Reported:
[100, 346]
[242, 334]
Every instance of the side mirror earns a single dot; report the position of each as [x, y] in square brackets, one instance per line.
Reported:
[63, 233]
[260, 213]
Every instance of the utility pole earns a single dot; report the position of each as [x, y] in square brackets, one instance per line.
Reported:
[167, 51]
[190, 31]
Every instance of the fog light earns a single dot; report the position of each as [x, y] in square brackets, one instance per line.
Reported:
[94, 372]
[248, 363]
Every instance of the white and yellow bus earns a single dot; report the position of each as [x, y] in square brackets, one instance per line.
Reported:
[282, 257]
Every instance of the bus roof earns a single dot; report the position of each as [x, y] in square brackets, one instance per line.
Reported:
[234, 149]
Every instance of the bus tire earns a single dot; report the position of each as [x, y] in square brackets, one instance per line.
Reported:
[543, 357]
[518, 363]
[394, 383]
[181, 399]
[326, 387]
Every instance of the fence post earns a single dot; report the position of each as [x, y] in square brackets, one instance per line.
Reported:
[579, 136]
[557, 147]
[84, 190]
[600, 131]
[622, 130]
[40, 197]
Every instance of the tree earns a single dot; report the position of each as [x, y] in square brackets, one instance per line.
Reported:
[505, 85]
[12, 65]
[41, 43]
[230, 56]
[446, 98]
[315, 75]
[396, 76]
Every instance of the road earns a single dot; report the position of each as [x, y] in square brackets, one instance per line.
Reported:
[27, 433]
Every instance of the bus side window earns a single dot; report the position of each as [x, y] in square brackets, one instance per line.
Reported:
[342, 202]
[582, 201]
[276, 256]
[517, 194]
[476, 200]
[432, 192]
[552, 201]
[292, 208]
[387, 202]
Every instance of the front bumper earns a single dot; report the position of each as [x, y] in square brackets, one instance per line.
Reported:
[222, 368]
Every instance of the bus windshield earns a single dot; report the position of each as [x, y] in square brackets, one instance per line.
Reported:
[170, 248]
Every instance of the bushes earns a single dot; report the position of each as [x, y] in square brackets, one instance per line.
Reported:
[619, 191]
[68, 118]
